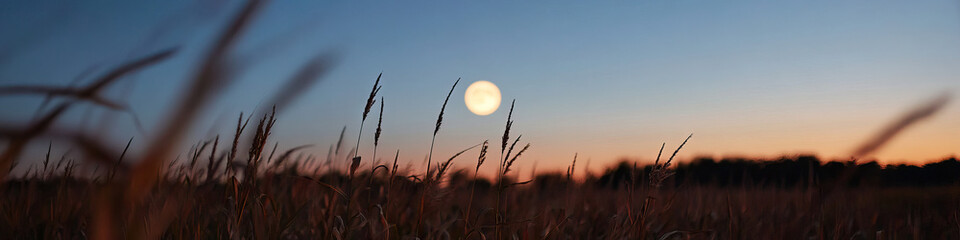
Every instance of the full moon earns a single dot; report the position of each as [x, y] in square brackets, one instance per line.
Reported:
[482, 98]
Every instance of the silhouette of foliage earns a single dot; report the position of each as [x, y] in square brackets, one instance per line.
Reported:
[792, 172]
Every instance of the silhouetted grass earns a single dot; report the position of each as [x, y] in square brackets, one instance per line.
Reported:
[157, 194]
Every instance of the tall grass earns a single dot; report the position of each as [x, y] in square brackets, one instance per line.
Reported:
[249, 191]
[428, 183]
[264, 199]
[366, 110]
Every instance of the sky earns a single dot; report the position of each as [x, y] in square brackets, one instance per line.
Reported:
[604, 80]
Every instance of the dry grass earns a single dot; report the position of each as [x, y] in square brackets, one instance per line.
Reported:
[214, 193]
[264, 198]
[283, 204]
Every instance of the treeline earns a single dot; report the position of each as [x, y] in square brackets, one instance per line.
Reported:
[788, 172]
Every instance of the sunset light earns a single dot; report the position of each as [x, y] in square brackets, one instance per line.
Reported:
[256, 119]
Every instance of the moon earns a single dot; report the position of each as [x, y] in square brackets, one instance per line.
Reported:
[482, 98]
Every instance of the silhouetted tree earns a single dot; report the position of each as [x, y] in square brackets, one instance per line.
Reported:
[790, 172]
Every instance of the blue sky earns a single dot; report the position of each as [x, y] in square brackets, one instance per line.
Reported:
[607, 80]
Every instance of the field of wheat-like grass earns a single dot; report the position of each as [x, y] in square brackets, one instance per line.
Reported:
[243, 185]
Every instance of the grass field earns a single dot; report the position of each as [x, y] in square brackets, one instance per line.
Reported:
[223, 189]
[240, 186]
[284, 205]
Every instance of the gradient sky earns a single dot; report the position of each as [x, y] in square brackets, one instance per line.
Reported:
[605, 80]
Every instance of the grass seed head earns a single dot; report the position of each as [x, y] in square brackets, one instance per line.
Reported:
[442, 168]
[506, 132]
[483, 154]
[444, 107]
[376, 136]
[373, 97]
[514, 159]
